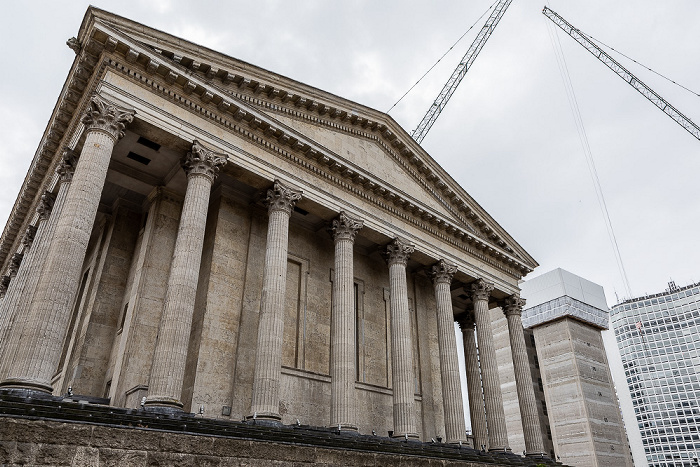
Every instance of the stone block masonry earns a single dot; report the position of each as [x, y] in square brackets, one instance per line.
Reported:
[62, 432]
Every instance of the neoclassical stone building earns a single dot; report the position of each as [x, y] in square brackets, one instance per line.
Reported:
[198, 233]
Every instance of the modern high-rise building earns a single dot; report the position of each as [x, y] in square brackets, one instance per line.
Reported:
[564, 317]
[658, 340]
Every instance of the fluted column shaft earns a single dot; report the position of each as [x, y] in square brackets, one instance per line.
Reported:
[168, 369]
[343, 351]
[532, 431]
[493, 400]
[401, 340]
[13, 312]
[455, 432]
[477, 411]
[268, 356]
[49, 313]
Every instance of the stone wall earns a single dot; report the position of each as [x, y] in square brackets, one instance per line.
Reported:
[40, 443]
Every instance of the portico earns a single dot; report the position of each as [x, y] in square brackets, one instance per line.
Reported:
[190, 262]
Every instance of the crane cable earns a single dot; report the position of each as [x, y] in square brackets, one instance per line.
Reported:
[443, 56]
[583, 138]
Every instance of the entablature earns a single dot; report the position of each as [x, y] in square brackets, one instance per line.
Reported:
[236, 100]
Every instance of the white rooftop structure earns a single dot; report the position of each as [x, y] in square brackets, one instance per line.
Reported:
[559, 293]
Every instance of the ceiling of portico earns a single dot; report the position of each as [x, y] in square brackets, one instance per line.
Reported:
[146, 157]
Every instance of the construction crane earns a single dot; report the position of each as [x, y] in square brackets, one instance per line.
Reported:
[451, 85]
[624, 73]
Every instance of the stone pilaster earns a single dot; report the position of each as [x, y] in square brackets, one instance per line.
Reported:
[268, 356]
[49, 313]
[13, 312]
[343, 351]
[168, 370]
[532, 431]
[477, 411]
[441, 274]
[397, 254]
[493, 400]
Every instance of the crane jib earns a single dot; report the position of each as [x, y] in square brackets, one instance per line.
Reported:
[624, 73]
[441, 101]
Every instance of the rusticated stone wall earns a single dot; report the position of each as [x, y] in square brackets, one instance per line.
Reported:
[39, 442]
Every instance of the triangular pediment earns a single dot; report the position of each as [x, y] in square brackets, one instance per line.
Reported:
[369, 157]
[364, 146]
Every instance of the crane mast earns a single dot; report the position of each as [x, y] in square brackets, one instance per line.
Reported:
[624, 73]
[451, 85]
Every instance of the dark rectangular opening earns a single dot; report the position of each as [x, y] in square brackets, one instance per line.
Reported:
[148, 143]
[138, 158]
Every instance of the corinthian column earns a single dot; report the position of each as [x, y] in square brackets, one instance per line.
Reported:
[13, 312]
[477, 412]
[268, 356]
[49, 313]
[343, 351]
[15, 308]
[532, 431]
[397, 254]
[493, 400]
[168, 370]
[442, 274]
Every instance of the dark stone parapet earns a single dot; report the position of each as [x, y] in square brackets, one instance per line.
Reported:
[64, 431]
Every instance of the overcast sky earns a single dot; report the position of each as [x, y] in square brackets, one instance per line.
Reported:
[507, 136]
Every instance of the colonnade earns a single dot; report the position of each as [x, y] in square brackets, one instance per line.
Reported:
[35, 311]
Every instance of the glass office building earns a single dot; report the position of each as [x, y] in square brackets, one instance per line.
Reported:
[659, 340]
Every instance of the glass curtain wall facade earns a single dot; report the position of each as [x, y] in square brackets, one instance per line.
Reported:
[659, 340]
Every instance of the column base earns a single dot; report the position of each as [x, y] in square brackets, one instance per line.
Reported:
[413, 436]
[536, 454]
[29, 385]
[163, 404]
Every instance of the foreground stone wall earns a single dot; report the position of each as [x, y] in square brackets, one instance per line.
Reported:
[38, 442]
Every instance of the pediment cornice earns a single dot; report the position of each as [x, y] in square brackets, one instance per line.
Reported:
[249, 104]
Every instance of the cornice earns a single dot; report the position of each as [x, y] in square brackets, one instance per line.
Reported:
[61, 122]
[389, 135]
[214, 83]
[235, 103]
[326, 166]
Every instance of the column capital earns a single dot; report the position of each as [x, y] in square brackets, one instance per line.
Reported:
[442, 272]
[398, 252]
[66, 168]
[513, 305]
[281, 198]
[201, 160]
[4, 284]
[481, 290]
[345, 227]
[104, 116]
[45, 205]
[29, 235]
[15, 261]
